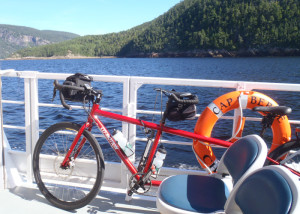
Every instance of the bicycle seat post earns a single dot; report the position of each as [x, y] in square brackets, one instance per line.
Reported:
[267, 122]
[271, 112]
[164, 116]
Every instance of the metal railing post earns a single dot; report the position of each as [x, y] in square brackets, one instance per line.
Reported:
[132, 107]
[125, 130]
[237, 119]
[132, 110]
[2, 157]
[31, 118]
[27, 129]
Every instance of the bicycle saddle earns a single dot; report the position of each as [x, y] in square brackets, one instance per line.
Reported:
[277, 110]
[181, 97]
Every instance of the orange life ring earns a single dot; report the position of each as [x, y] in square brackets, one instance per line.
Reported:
[249, 99]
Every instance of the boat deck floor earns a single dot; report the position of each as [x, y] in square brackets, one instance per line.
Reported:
[28, 199]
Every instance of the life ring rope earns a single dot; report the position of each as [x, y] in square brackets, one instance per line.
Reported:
[240, 121]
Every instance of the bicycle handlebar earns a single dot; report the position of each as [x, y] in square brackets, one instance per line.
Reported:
[86, 89]
[177, 96]
[193, 99]
[63, 102]
[60, 87]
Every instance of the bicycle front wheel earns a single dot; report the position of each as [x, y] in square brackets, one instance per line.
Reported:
[74, 186]
[287, 154]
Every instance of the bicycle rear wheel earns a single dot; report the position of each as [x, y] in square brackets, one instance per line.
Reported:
[69, 187]
[287, 154]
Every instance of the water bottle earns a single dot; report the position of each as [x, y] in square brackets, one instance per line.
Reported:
[159, 158]
[122, 141]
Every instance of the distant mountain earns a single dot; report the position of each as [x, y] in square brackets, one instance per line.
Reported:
[13, 38]
[197, 28]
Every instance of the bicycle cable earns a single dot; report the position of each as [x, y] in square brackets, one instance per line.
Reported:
[87, 110]
[161, 107]
[153, 115]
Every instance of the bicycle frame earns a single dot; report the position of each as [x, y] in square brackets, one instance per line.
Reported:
[160, 128]
[93, 117]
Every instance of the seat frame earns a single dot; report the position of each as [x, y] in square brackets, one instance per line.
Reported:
[222, 174]
[293, 181]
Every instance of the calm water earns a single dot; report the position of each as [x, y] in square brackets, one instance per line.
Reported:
[282, 70]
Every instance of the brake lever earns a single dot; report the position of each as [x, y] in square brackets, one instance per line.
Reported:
[168, 94]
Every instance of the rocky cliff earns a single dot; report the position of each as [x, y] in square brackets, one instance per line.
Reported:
[13, 38]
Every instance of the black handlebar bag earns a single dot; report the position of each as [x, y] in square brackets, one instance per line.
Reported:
[78, 80]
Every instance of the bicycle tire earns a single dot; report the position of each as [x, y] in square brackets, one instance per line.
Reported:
[291, 150]
[73, 187]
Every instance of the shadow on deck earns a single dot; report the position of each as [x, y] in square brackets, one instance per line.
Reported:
[24, 200]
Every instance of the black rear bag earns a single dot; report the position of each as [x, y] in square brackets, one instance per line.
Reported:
[181, 111]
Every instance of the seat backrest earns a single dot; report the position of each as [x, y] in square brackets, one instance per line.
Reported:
[243, 157]
[272, 189]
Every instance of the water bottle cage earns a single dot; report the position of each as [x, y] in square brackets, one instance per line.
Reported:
[122, 142]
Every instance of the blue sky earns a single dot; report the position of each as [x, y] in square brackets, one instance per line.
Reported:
[84, 17]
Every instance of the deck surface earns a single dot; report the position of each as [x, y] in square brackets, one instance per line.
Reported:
[28, 199]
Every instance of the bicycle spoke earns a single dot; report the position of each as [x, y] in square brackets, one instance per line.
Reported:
[75, 184]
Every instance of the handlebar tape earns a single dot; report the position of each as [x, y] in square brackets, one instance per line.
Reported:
[61, 96]
[63, 102]
[60, 87]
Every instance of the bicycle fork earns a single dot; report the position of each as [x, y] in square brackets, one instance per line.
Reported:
[66, 162]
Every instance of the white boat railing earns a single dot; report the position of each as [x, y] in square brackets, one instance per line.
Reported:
[20, 162]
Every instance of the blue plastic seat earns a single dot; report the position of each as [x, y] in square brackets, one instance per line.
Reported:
[193, 193]
[208, 194]
[272, 189]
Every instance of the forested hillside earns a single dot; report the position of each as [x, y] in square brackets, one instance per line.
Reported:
[13, 38]
[197, 28]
